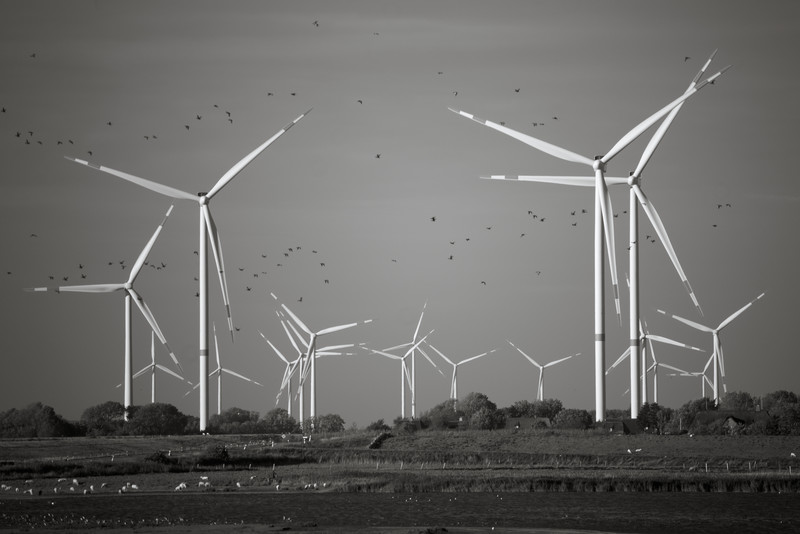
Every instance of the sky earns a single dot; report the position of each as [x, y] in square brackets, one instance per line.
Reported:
[380, 77]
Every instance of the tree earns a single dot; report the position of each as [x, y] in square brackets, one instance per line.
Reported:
[440, 415]
[378, 426]
[573, 418]
[34, 421]
[738, 401]
[521, 408]
[234, 421]
[777, 398]
[157, 419]
[106, 419]
[330, 423]
[278, 421]
[653, 417]
[548, 408]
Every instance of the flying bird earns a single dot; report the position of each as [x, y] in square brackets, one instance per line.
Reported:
[433, 219]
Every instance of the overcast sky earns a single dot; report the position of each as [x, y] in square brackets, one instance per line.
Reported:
[380, 77]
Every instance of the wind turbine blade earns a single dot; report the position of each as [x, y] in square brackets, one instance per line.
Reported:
[652, 119]
[245, 161]
[611, 247]
[448, 360]
[388, 355]
[142, 371]
[534, 362]
[417, 344]
[478, 356]
[430, 360]
[558, 361]
[662, 339]
[336, 329]
[216, 248]
[538, 144]
[404, 345]
[693, 324]
[147, 184]
[419, 323]
[237, 375]
[334, 347]
[619, 360]
[580, 181]
[216, 346]
[169, 371]
[671, 368]
[274, 348]
[151, 320]
[661, 231]
[297, 320]
[137, 266]
[727, 321]
[291, 337]
[89, 288]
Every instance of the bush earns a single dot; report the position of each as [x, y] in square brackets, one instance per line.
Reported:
[573, 418]
[378, 426]
[214, 454]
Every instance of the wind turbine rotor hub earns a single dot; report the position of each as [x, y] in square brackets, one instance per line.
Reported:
[598, 164]
[632, 179]
[128, 285]
[203, 198]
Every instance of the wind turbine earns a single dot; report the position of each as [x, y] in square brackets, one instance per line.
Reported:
[716, 356]
[152, 368]
[218, 371]
[702, 374]
[604, 226]
[405, 374]
[646, 339]
[208, 229]
[130, 294]
[540, 388]
[310, 356]
[288, 373]
[454, 380]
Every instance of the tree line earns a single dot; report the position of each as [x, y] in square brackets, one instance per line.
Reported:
[777, 413]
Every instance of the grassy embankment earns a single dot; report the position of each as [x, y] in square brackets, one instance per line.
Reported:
[456, 461]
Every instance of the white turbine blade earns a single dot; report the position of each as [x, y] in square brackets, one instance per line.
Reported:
[216, 248]
[334, 347]
[137, 266]
[245, 161]
[193, 388]
[142, 371]
[619, 360]
[671, 368]
[733, 316]
[297, 320]
[476, 357]
[169, 371]
[559, 361]
[291, 337]
[448, 360]
[534, 362]
[216, 346]
[419, 323]
[711, 359]
[611, 247]
[538, 144]
[274, 348]
[693, 324]
[153, 186]
[90, 288]
[237, 375]
[336, 329]
[652, 119]
[404, 345]
[387, 354]
[661, 231]
[580, 181]
[151, 320]
[430, 360]
[662, 339]
[417, 344]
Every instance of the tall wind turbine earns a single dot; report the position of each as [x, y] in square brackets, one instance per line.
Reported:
[130, 294]
[208, 229]
[716, 356]
[288, 373]
[646, 339]
[405, 374]
[604, 226]
[152, 367]
[454, 380]
[540, 388]
[311, 356]
[218, 372]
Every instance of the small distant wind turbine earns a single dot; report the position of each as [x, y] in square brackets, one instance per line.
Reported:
[288, 373]
[130, 294]
[716, 356]
[405, 375]
[454, 380]
[701, 374]
[604, 225]
[540, 388]
[152, 368]
[310, 356]
[218, 371]
[208, 229]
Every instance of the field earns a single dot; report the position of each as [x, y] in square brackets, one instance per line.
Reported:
[39, 478]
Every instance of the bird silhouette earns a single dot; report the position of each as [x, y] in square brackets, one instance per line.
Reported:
[433, 219]
[516, 90]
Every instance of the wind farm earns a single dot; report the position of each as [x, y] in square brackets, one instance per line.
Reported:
[413, 239]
